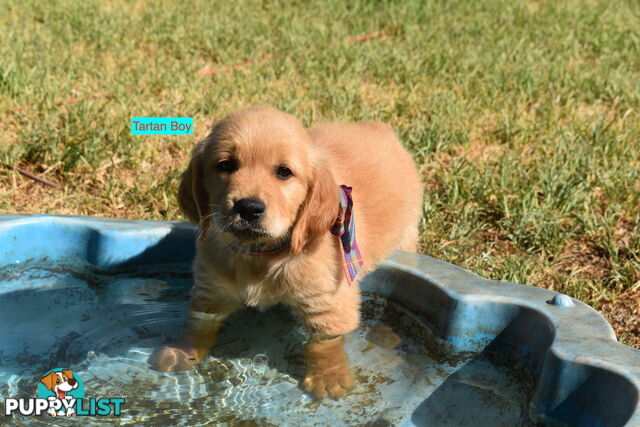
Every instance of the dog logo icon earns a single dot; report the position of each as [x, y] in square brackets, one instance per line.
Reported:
[63, 386]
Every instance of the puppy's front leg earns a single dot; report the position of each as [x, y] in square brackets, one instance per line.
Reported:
[327, 367]
[193, 346]
[329, 315]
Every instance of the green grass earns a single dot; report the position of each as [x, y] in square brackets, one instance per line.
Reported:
[523, 115]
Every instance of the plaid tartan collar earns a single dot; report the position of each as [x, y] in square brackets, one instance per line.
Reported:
[345, 229]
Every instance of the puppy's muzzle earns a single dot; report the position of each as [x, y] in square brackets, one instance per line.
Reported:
[249, 209]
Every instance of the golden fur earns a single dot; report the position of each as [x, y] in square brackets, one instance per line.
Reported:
[307, 276]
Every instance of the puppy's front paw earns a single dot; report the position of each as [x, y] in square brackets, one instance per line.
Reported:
[175, 357]
[335, 383]
[327, 369]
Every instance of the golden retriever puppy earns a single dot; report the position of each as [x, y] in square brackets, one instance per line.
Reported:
[277, 224]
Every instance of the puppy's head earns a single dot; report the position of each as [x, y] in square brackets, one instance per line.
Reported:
[258, 177]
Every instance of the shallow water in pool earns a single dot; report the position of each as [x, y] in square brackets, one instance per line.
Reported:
[104, 326]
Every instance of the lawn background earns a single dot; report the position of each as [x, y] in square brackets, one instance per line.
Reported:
[523, 116]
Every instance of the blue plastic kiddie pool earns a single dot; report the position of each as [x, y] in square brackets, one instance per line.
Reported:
[437, 346]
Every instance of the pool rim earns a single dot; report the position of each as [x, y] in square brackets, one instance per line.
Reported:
[590, 344]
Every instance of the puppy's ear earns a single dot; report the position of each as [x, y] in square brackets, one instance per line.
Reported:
[67, 373]
[49, 381]
[318, 211]
[192, 195]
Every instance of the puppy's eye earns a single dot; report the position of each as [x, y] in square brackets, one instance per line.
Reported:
[227, 166]
[58, 381]
[283, 172]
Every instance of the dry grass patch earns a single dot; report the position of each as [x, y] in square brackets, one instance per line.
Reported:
[623, 312]
[584, 258]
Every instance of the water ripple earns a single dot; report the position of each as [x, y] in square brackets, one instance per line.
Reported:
[105, 327]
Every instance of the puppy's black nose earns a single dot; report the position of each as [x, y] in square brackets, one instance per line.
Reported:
[72, 382]
[249, 209]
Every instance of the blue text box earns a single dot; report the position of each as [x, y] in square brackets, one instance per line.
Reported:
[161, 125]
